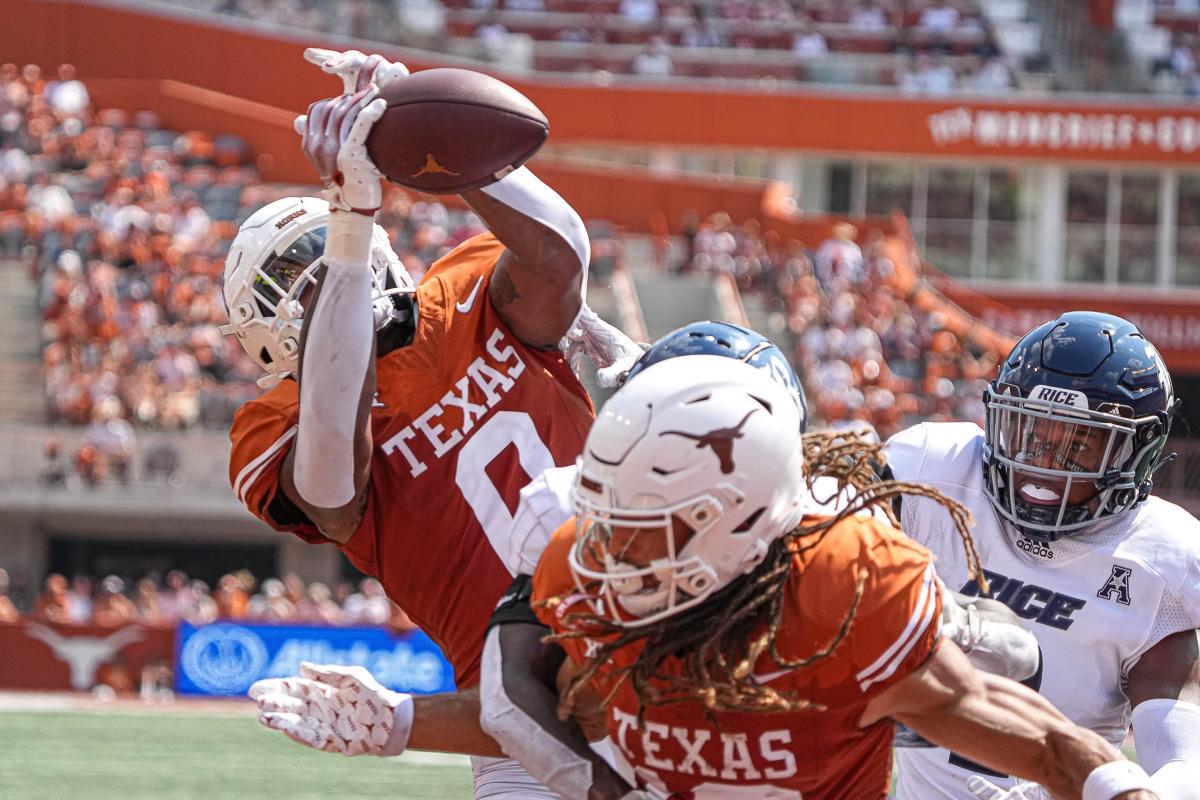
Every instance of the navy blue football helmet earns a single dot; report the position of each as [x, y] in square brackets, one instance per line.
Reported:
[1076, 423]
[726, 339]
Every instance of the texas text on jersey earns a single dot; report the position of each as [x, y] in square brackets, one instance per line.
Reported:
[1096, 601]
[820, 754]
[464, 416]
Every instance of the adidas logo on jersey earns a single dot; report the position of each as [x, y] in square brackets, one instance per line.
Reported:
[1037, 603]
[1035, 548]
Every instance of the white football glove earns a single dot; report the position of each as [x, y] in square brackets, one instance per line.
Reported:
[334, 138]
[337, 710]
[612, 351]
[983, 789]
[334, 131]
[356, 69]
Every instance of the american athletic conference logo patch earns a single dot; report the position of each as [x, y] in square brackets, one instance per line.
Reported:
[1117, 586]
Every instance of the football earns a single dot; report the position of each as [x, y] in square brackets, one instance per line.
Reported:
[449, 130]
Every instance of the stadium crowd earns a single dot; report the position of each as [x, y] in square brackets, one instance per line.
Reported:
[951, 43]
[126, 225]
[153, 600]
[864, 353]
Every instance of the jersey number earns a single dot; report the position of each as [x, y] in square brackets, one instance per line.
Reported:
[1034, 682]
[503, 429]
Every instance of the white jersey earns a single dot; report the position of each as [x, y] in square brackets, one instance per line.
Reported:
[1096, 601]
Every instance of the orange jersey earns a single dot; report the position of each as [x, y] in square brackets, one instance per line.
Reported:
[466, 415]
[817, 754]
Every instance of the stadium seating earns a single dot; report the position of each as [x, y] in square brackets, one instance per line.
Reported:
[868, 42]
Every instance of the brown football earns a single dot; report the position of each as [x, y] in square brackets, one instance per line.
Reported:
[448, 130]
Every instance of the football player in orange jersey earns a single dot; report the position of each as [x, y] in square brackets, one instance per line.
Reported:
[745, 647]
[402, 420]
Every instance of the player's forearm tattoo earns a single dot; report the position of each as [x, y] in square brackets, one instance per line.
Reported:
[504, 291]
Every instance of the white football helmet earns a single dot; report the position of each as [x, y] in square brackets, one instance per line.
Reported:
[693, 468]
[271, 264]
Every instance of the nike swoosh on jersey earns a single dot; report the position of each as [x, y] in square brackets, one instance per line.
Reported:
[465, 306]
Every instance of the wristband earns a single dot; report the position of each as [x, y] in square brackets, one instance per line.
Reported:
[348, 238]
[1116, 777]
[397, 739]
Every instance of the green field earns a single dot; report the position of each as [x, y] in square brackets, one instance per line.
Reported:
[125, 756]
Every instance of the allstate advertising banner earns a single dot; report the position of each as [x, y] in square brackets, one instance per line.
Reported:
[224, 658]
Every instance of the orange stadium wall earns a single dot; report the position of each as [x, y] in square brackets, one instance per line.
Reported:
[114, 42]
[628, 197]
[1170, 320]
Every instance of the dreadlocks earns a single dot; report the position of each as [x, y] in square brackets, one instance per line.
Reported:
[720, 640]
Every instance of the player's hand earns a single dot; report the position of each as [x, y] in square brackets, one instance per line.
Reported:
[356, 69]
[334, 138]
[337, 710]
[983, 789]
[612, 351]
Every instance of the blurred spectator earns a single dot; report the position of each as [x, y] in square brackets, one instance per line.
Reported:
[654, 61]
[67, 96]
[53, 602]
[318, 605]
[231, 599]
[54, 470]
[111, 607]
[492, 34]
[639, 12]
[8, 609]
[160, 462]
[202, 608]
[175, 600]
[272, 603]
[868, 17]
[928, 74]
[939, 17]
[146, 602]
[112, 437]
[79, 599]
[839, 258]
[991, 76]
[808, 41]
[369, 606]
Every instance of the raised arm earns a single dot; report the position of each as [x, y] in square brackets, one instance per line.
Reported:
[538, 286]
[325, 474]
[1005, 726]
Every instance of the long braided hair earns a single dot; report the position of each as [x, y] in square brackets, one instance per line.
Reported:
[720, 640]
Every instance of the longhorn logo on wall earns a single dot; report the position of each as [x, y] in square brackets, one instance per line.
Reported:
[83, 654]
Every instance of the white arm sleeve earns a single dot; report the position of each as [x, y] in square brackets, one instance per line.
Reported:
[521, 190]
[1167, 736]
[548, 760]
[337, 352]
